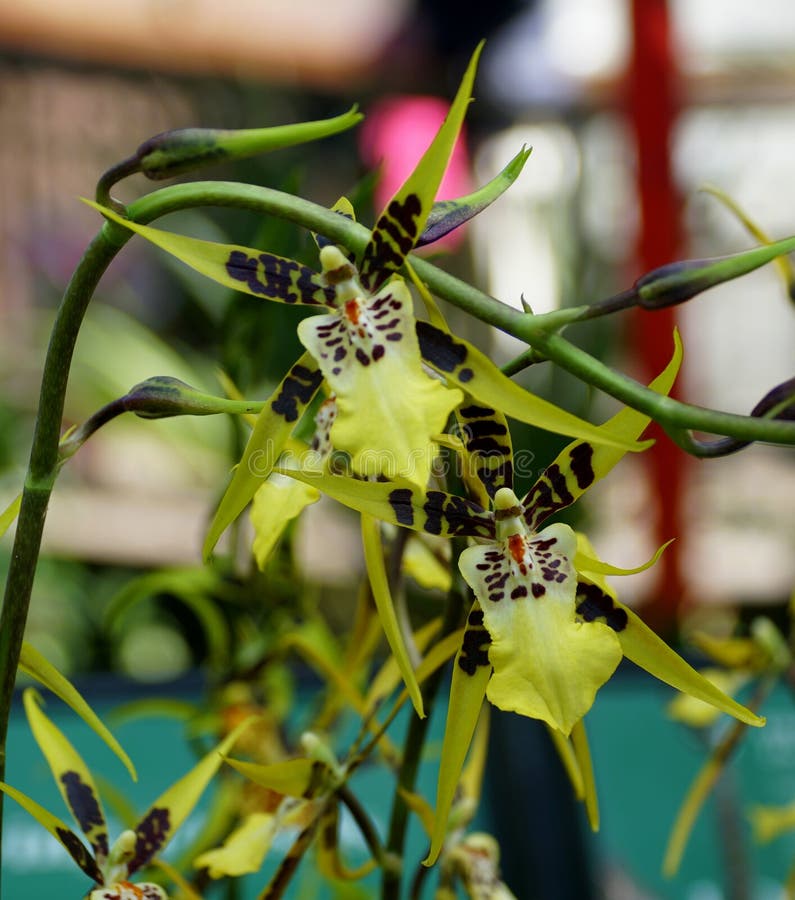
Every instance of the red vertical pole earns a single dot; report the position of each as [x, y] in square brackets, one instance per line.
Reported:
[652, 109]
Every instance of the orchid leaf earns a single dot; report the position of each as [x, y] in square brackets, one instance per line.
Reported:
[175, 804]
[245, 269]
[447, 215]
[71, 774]
[32, 663]
[402, 502]
[278, 418]
[399, 226]
[376, 572]
[9, 514]
[471, 673]
[59, 830]
[304, 778]
[465, 365]
[582, 463]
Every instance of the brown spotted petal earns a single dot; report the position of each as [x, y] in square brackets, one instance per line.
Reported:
[125, 890]
[548, 663]
[388, 408]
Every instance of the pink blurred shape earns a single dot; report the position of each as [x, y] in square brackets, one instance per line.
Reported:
[395, 134]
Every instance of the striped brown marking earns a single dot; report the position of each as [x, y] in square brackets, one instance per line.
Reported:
[79, 853]
[581, 467]
[548, 495]
[594, 604]
[298, 388]
[393, 237]
[441, 349]
[276, 278]
[83, 803]
[151, 834]
[474, 651]
[400, 501]
[451, 515]
[488, 441]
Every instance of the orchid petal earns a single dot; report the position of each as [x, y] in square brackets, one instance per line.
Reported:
[582, 463]
[425, 567]
[245, 269]
[640, 644]
[243, 851]
[471, 672]
[366, 350]
[276, 503]
[399, 226]
[169, 811]
[547, 663]
[770, 822]
[579, 740]
[465, 365]
[34, 664]
[389, 675]
[568, 758]
[303, 778]
[59, 830]
[447, 215]
[487, 439]
[403, 503]
[591, 565]
[376, 572]
[278, 418]
[71, 775]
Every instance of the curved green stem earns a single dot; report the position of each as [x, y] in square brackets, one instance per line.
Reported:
[42, 470]
[536, 330]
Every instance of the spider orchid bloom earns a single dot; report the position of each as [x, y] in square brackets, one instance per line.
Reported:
[111, 866]
[367, 346]
[545, 632]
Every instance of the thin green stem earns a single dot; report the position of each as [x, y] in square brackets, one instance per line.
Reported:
[42, 471]
[366, 827]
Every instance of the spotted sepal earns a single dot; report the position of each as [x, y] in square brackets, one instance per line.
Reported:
[173, 806]
[489, 452]
[126, 890]
[71, 775]
[546, 665]
[463, 364]
[388, 408]
[471, 673]
[60, 831]
[32, 663]
[403, 503]
[582, 463]
[275, 422]
[447, 215]
[399, 226]
[243, 269]
[640, 644]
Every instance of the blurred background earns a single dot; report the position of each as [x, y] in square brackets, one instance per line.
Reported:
[631, 106]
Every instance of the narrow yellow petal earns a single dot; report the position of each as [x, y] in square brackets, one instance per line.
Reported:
[34, 664]
[305, 778]
[277, 502]
[582, 751]
[640, 644]
[243, 851]
[71, 774]
[376, 572]
[471, 672]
